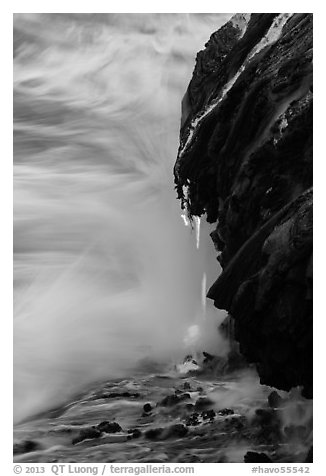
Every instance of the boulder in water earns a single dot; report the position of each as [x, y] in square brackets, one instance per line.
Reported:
[109, 427]
[192, 420]
[208, 414]
[226, 411]
[147, 408]
[87, 434]
[171, 400]
[134, 433]
[178, 430]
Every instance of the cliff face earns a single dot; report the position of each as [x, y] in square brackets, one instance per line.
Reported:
[245, 161]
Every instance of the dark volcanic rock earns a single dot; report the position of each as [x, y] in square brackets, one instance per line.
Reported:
[171, 400]
[245, 161]
[275, 400]
[87, 434]
[253, 457]
[154, 433]
[208, 414]
[134, 433]
[26, 446]
[203, 402]
[177, 430]
[147, 408]
[192, 420]
[109, 427]
[226, 411]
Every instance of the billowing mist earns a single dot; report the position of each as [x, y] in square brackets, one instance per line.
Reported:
[106, 273]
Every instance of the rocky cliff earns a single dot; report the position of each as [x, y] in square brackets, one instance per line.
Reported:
[245, 162]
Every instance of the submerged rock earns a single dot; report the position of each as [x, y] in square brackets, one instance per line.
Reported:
[245, 160]
[97, 431]
[177, 430]
[134, 433]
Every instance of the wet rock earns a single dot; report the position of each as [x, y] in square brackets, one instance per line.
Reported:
[247, 167]
[87, 434]
[134, 433]
[154, 433]
[202, 403]
[208, 414]
[192, 420]
[275, 400]
[184, 396]
[226, 411]
[109, 427]
[171, 400]
[26, 446]
[253, 457]
[178, 430]
[186, 386]
[147, 408]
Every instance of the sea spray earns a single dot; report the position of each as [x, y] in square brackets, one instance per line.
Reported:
[105, 272]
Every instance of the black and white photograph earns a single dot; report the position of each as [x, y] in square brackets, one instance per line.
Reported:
[162, 240]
